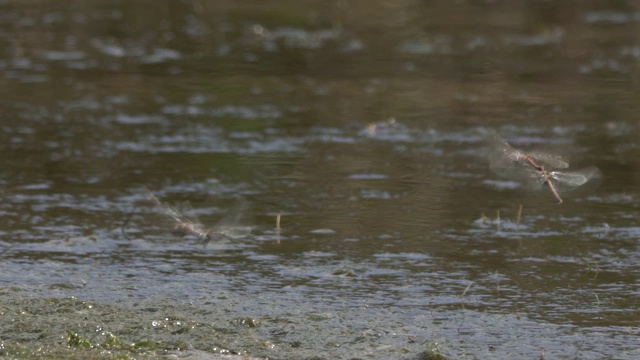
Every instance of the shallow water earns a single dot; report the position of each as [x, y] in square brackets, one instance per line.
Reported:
[362, 123]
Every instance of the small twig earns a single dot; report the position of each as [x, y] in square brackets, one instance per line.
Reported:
[466, 289]
[519, 217]
[464, 293]
[278, 227]
[498, 220]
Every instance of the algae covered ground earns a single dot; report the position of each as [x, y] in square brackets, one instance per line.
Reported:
[226, 327]
[280, 326]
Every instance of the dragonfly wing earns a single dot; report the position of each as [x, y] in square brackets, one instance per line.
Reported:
[152, 197]
[175, 214]
[503, 153]
[228, 225]
[188, 209]
[237, 232]
[506, 161]
[521, 172]
[535, 179]
[572, 179]
[495, 141]
[167, 209]
[555, 161]
[530, 177]
[500, 152]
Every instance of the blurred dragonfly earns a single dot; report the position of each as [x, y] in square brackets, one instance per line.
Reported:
[535, 168]
[225, 228]
[503, 155]
[564, 180]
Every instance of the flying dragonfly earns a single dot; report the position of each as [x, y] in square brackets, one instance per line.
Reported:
[535, 168]
[563, 180]
[225, 228]
[503, 155]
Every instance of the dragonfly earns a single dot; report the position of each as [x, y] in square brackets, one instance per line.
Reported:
[504, 155]
[185, 226]
[536, 169]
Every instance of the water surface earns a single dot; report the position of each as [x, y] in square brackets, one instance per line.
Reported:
[362, 123]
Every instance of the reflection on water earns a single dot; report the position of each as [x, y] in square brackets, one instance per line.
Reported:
[360, 127]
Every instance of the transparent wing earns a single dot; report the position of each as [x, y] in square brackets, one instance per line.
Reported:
[526, 175]
[230, 225]
[502, 155]
[237, 232]
[188, 209]
[506, 161]
[534, 179]
[572, 179]
[530, 177]
[496, 142]
[167, 209]
[555, 161]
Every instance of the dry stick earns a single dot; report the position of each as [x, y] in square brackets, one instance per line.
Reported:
[464, 293]
[498, 220]
[519, 217]
[466, 289]
[278, 228]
